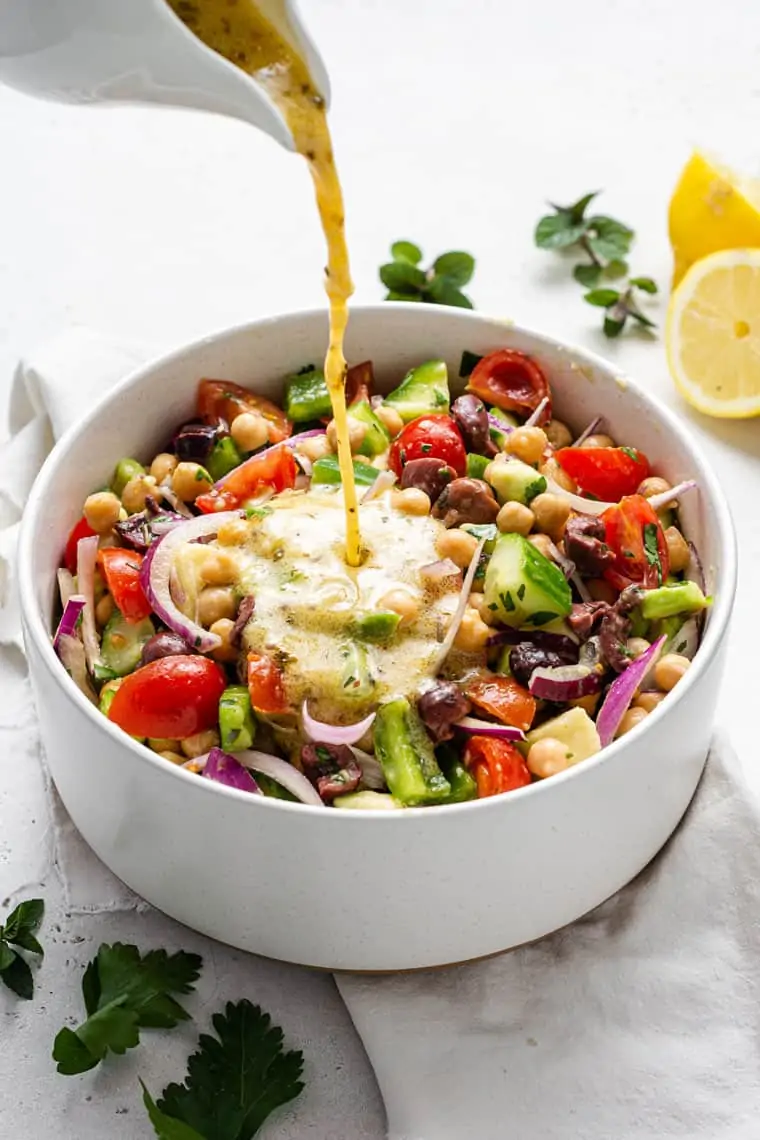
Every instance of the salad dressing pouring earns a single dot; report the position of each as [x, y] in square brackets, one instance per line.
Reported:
[242, 34]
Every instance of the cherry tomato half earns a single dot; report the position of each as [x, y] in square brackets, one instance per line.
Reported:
[429, 437]
[512, 381]
[275, 468]
[121, 570]
[504, 698]
[634, 534]
[496, 765]
[173, 697]
[265, 685]
[82, 529]
[608, 473]
[223, 400]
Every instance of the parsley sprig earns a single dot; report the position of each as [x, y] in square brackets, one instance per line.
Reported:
[234, 1081]
[16, 934]
[441, 284]
[606, 242]
[125, 992]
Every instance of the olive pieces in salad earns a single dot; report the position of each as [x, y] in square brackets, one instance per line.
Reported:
[523, 599]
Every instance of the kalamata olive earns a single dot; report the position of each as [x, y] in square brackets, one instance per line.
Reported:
[244, 615]
[440, 707]
[428, 475]
[524, 658]
[585, 545]
[472, 420]
[466, 501]
[194, 442]
[163, 644]
[331, 768]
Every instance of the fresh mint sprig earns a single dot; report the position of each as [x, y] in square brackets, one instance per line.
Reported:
[17, 933]
[621, 305]
[441, 284]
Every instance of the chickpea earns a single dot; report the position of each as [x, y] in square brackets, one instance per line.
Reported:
[649, 701]
[172, 757]
[601, 591]
[162, 744]
[225, 652]
[201, 742]
[558, 434]
[527, 443]
[356, 434]
[402, 603]
[678, 550]
[250, 431]
[515, 518]
[102, 511]
[104, 609]
[552, 470]
[598, 441]
[542, 543]
[457, 545]
[234, 532]
[163, 466]
[317, 447]
[215, 603]
[473, 633]
[411, 501]
[189, 480]
[478, 602]
[136, 492]
[654, 485]
[630, 719]
[390, 419]
[552, 512]
[548, 757]
[219, 568]
[636, 646]
[669, 670]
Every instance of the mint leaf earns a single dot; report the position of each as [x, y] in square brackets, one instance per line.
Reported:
[441, 291]
[456, 266]
[7, 956]
[608, 238]
[396, 296]
[615, 268]
[557, 231]
[602, 297]
[578, 209]
[17, 976]
[613, 326]
[406, 251]
[234, 1081]
[123, 993]
[588, 275]
[645, 283]
[402, 277]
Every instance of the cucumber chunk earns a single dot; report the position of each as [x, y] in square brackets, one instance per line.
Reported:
[424, 390]
[522, 587]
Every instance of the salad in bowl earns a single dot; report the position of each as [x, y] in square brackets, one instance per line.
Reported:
[526, 592]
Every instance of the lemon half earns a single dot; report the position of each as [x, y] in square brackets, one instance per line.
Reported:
[712, 335]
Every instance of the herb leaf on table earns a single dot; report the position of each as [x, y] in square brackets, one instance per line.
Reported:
[19, 933]
[123, 993]
[234, 1081]
[441, 284]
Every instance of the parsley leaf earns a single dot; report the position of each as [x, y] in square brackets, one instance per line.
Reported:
[123, 993]
[18, 933]
[234, 1081]
[441, 284]
[651, 549]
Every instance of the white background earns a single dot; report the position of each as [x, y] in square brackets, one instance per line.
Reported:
[453, 122]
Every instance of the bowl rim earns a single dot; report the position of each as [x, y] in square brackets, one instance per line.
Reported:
[35, 628]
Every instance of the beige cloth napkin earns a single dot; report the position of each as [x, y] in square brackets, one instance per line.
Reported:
[639, 1022]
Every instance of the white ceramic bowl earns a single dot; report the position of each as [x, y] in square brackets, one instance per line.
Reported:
[369, 891]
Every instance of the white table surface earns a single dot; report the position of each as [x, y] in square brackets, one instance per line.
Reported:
[454, 121]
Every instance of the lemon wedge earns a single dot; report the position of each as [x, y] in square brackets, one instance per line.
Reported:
[711, 209]
[712, 335]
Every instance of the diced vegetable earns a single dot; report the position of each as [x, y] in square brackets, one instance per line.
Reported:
[272, 469]
[683, 598]
[323, 733]
[306, 396]
[621, 691]
[221, 401]
[429, 437]
[510, 380]
[356, 679]
[82, 529]
[225, 769]
[285, 774]
[121, 570]
[378, 627]
[515, 481]
[496, 765]
[171, 698]
[476, 466]
[224, 458]
[376, 437]
[501, 423]
[237, 728]
[265, 684]
[503, 698]
[327, 470]
[463, 785]
[406, 753]
[634, 534]
[125, 470]
[522, 587]
[72, 611]
[123, 642]
[423, 390]
[607, 473]
[574, 728]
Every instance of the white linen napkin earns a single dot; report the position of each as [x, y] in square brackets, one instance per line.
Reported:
[641, 1020]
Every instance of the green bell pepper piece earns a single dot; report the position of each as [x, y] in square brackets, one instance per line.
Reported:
[327, 470]
[224, 457]
[237, 728]
[476, 466]
[306, 396]
[406, 753]
[463, 786]
[377, 627]
[665, 601]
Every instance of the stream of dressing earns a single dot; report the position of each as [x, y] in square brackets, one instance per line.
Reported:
[237, 30]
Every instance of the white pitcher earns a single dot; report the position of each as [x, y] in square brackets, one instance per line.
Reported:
[138, 51]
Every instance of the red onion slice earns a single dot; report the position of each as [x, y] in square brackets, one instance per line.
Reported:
[657, 502]
[72, 655]
[456, 620]
[226, 769]
[475, 727]
[620, 692]
[385, 480]
[583, 506]
[68, 623]
[156, 577]
[65, 585]
[323, 733]
[373, 776]
[499, 425]
[587, 431]
[535, 416]
[284, 773]
[87, 553]
[175, 502]
[296, 439]
[564, 682]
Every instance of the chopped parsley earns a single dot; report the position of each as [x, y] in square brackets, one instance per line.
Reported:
[651, 549]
